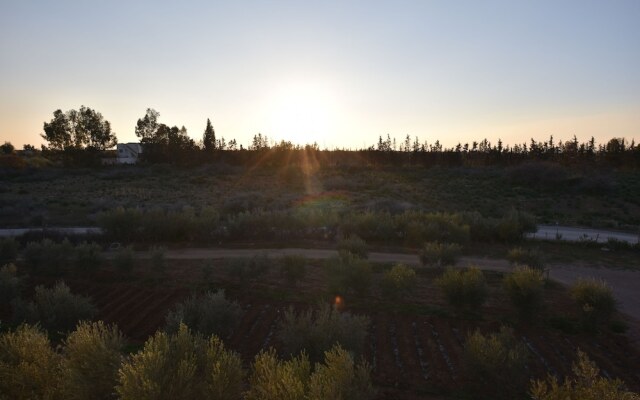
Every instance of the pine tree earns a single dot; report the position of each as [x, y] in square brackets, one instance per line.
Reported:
[209, 137]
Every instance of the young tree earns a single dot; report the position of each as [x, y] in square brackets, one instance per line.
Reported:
[209, 137]
[147, 126]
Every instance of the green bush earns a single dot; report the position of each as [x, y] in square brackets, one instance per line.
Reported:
[57, 309]
[317, 332]
[464, 289]
[210, 314]
[88, 256]
[29, 367]
[587, 384]
[399, 281]
[249, 269]
[496, 364]
[349, 273]
[596, 302]
[435, 253]
[181, 366]
[92, 357]
[525, 287]
[48, 256]
[8, 250]
[354, 245]
[339, 377]
[528, 257]
[293, 268]
[123, 260]
[10, 283]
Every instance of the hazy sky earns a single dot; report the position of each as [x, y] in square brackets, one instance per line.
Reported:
[337, 72]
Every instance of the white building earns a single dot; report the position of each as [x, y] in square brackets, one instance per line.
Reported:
[128, 153]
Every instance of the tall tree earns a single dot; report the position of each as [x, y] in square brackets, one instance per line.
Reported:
[79, 129]
[209, 137]
[147, 126]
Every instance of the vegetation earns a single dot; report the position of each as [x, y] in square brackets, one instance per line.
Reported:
[209, 314]
[349, 273]
[29, 367]
[92, 357]
[56, 309]
[399, 281]
[339, 377]
[596, 302]
[8, 250]
[439, 254]
[525, 287]
[526, 257]
[316, 332]
[496, 363]
[354, 245]
[10, 283]
[293, 268]
[183, 365]
[48, 256]
[586, 384]
[464, 289]
[88, 256]
[158, 262]
[123, 260]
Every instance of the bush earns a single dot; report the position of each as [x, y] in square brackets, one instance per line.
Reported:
[317, 332]
[525, 287]
[29, 367]
[248, 269]
[339, 377]
[181, 366]
[596, 302]
[399, 280]
[57, 309]
[10, 283]
[48, 256]
[124, 260]
[293, 268]
[158, 262]
[464, 289]
[496, 364]
[586, 385]
[528, 257]
[210, 314]
[349, 273]
[88, 256]
[354, 245]
[8, 250]
[435, 253]
[92, 359]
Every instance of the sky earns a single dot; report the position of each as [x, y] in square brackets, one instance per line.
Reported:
[339, 73]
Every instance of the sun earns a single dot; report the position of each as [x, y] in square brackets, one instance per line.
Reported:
[301, 112]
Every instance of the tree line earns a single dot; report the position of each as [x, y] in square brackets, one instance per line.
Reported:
[82, 135]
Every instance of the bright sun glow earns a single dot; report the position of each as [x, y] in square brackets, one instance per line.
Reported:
[301, 112]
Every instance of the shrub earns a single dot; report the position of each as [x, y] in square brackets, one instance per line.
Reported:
[596, 302]
[181, 366]
[56, 310]
[354, 245]
[339, 377]
[349, 273]
[29, 367]
[528, 257]
[293, 268]
[210, 314]
[10, 283]
[585, 385]
[464, 289]
[48, 256]
[247, 269]
[123, 260]
[399, 280]
[158, 262]
[525, 287]
[88, 256]
[8, 250]
[496, 363]
[317, 332]
[92, 359]
[434, 253]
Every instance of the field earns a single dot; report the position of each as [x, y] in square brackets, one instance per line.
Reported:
[415, 345]
[62, 197]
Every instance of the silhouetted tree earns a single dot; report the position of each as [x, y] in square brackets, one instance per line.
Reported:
[209, 137]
